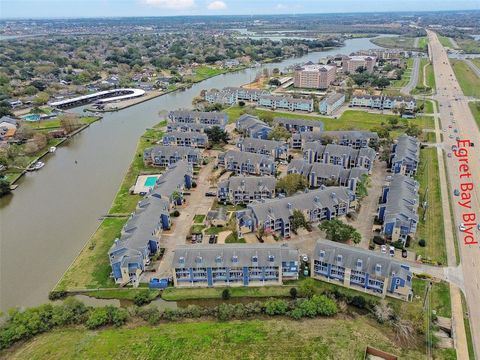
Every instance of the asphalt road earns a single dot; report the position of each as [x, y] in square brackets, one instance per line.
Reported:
[454, 107]
[474, 67]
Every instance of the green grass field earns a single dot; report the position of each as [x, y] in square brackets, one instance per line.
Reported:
[349, 120]
[432, 228]
[395, 42]
[322, 338]
[475, 109]
[445, 41]
[122, 294]
[470, 46]
[469, 81]
[405, 77]
[205, 72]
[91, 268]
[423, 42]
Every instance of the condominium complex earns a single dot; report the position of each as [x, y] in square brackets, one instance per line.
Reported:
[246, 189]
[275, 149]
[246, 163]
[198, 117]
[352, 63]
[314, 76]
[362, 270]
[168, 155]
[189, 139]
[252, 126]
[405, 155]
[331, 103]
[234, 265]
[345, 156]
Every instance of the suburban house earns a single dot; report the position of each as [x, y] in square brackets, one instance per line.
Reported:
[8, 127]
[405, 155]
[383, 102]
[318, 174]
[314, 76]
[139, 238]
[398, 208]
[275, 149]
[246, 163]
[286, 103]
[234, 265]
[246, 189]
[352, 63]
[331, 103]
[189, 139]
[198, 117]
[252, 126]
[167, 155]
[275, 215]
[362, 270]
[345, 156]
[299, 125]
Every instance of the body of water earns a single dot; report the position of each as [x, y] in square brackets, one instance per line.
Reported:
[53, 213]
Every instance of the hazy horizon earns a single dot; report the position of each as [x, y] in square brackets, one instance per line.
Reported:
[55, 9]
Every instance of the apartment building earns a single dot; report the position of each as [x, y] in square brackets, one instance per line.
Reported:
[398, 209]
[356, 139]
[383, 102]
[286, 103]
[187, 127]
[275, 215]
[405, 155]
[331, 103]
[246, 163]
[232, 95]
[352, 63]
[299, 125]
[314, 76]
[362, 270]
[189, 139]
[275, 149]
[251, 126]
[168, 155]
[234, 265]
[139, 238]
[246, 189]
[345, 156]
[198, 117]
[318, 174]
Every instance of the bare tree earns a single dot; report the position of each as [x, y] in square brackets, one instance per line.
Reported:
[70, 122]
[404, 331]
[383, 312]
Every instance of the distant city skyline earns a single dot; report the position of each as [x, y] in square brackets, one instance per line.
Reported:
[126, 8]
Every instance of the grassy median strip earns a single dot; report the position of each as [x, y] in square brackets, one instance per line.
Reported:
[475, 109]
[469, 81]
[468, 330]
[91, 268]
[431, 226]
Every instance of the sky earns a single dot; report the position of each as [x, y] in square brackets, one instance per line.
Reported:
[116, 8]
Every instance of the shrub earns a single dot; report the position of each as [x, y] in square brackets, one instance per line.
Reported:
[422, 243]
[98, 317]
[276, 307]
[379, 240]
[226, 294]
[293, 293]
[119, 317]
[241, 103]
[358, 301]
[175, 213]
[296, 314]
[72, 311]
[141, 298]
[307, 288]
[150, 315]
[56, 295]
[224, 312]
[194, 184]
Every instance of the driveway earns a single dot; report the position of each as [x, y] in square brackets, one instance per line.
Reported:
[196, 203]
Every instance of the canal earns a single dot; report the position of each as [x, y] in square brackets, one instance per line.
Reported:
[52, 214]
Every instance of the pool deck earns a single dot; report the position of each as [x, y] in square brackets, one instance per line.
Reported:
[141, 185]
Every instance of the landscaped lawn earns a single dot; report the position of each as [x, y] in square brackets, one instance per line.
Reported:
[432, 228]
[215, 230]
[422, 42]
[320, 338]
[197, 228]
[469, 81]
[91, 269]
[233, 239]
[199, 219]
[475, 109]
[350, 119]
[176, 294]
[445, 41]
[427, 68]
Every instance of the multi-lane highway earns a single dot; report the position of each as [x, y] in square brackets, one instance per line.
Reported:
[457, 120]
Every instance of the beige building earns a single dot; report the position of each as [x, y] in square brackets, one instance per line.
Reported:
[314, 76]
[352, 63]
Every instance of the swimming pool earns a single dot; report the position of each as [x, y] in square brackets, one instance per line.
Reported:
[31, 117]
[150, 181]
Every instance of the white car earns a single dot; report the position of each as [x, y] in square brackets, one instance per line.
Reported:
[383, 249]
[305, 258]
[391, 251]
[462, 227]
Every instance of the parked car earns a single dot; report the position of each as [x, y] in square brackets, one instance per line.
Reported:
[449, 155]
[383, 249]
[462, 227]
[404, 253]
[456, 192]
[391, 251]
[210, 194]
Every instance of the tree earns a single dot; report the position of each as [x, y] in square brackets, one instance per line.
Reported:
[307, 287]
[217, 135]
[260, 233]
[393, 121]
[266, 117]
[70, 122]
[293, 293]
[291, 183]
[4, 187]
[41, 98]
[274, 82]
[226, 294]
[336, 230]
[279, 133]
[298, 220]
[413, 130]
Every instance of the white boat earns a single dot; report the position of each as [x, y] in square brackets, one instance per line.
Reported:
[52, 149]
[37, 166]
